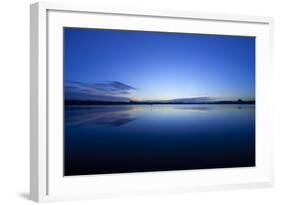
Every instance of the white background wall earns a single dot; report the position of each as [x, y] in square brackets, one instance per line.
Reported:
[14, 102]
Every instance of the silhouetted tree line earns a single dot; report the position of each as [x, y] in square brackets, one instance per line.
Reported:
[131, 102]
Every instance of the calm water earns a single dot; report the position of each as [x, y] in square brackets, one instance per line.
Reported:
[134, 138]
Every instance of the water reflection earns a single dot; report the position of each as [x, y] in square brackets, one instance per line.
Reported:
[120, 115]
[99, 115]
[133, 138]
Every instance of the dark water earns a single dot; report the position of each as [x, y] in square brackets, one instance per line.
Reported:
[136, 138]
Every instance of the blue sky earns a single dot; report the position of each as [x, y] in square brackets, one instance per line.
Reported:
[121, 65]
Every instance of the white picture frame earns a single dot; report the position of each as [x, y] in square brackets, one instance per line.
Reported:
[47, 182]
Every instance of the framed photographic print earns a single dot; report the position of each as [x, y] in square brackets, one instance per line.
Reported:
[128, 102]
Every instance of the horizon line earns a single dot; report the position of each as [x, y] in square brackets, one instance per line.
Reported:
[99, 102]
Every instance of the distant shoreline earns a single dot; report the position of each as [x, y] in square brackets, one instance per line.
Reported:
[89, 102]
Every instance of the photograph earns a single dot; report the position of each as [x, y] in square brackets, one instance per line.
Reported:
[146, 101]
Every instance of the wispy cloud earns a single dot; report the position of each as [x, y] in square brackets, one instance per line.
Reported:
[108, 91]
[194, 99]
[112, 86]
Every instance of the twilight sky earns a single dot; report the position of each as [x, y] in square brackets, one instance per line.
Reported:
[121, 65]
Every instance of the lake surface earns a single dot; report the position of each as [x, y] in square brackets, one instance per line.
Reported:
[103, 139]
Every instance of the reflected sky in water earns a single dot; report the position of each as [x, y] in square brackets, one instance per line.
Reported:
[134, 138]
